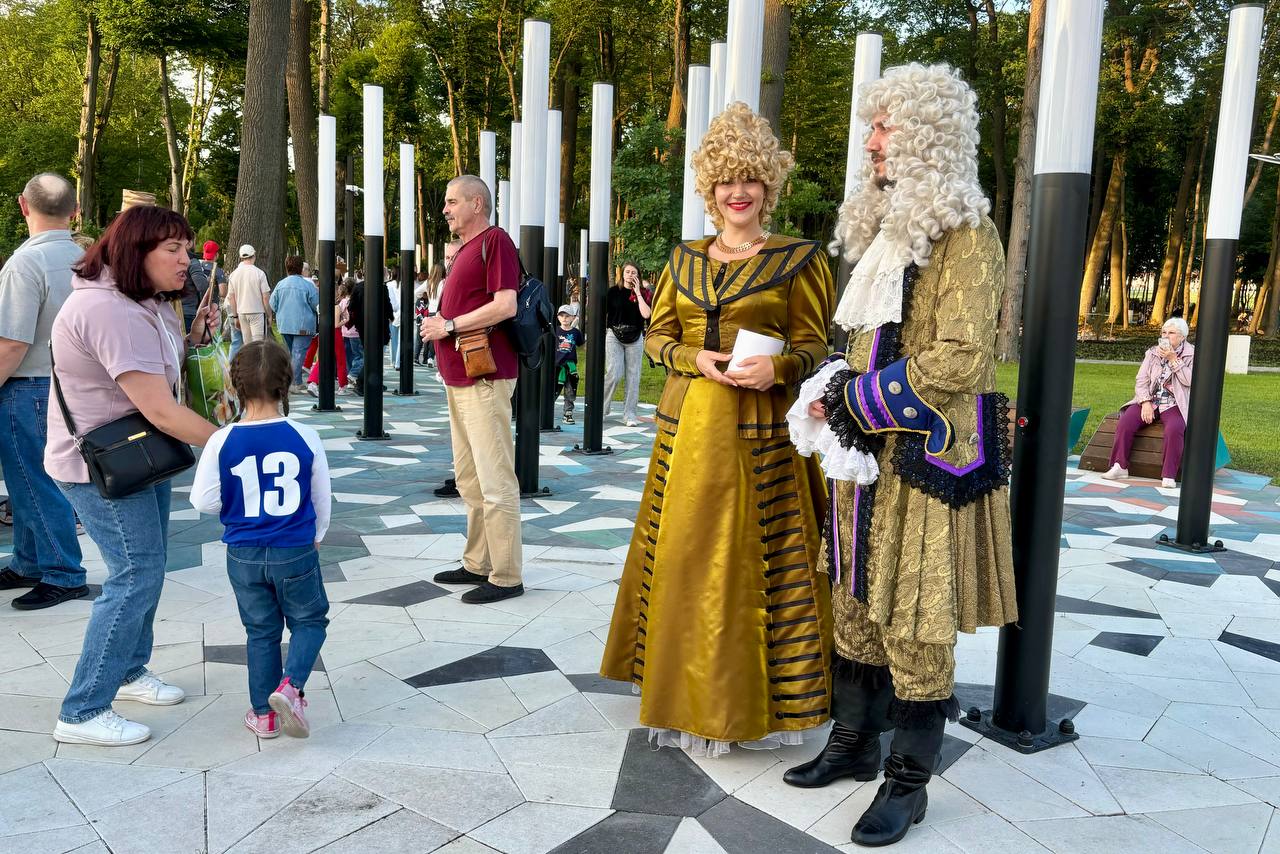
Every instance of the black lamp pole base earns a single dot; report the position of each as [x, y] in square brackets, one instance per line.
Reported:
[398, 393]
[980, 722]
[380, 437]
[592, 452]
[318, 408]
[541, 492]
[1190, 548]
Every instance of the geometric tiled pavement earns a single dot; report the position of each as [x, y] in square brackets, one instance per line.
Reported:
[439, 726]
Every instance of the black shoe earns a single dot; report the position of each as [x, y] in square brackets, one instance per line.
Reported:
[486, 593]
[461, 575]
[448, 490]
[900, 802]
[47, 595]
[568, 419]
[848, 754]
[10, 580]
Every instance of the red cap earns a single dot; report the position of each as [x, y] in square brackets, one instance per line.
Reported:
[210, 250]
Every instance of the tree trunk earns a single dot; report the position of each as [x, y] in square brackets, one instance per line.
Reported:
[773, 65]
[1117, 301]
[176, 196]
[569, 111]
[422, 224]
[1102, 238]
[1177, 233]
[324, 56]
[84, 162]
[302, 122]
[1000, 206]
[1190, 259]
[680, 64]
[1124, 271]
[1097, 194]
[258, 217]
[201, 106]
[1266, 147]
[1015, 271]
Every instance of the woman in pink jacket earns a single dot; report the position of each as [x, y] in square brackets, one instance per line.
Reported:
[1161, 393]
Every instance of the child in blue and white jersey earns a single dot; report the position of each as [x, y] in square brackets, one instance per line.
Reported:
[268, 478]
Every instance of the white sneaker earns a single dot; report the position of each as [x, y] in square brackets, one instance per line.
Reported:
[344, 391]
[1168, 483]
[152, 690]
[106, 730]
[313, 389]
[1115, 472]
[631, 422]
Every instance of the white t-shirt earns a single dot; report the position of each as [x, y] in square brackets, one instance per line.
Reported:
[247, 285]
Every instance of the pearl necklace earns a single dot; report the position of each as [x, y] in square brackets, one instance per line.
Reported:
[737, 250]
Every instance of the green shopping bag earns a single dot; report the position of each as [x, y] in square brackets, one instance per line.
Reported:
[208, 388]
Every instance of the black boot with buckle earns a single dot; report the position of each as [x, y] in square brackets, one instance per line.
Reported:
[861, 694]
[913, 754]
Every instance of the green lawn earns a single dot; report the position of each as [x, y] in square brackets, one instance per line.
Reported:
[1250, 407]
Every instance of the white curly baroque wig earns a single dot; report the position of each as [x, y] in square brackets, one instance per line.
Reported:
[931, 164]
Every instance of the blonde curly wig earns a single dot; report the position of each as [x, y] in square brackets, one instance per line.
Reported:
[740, 145]
[931, 164]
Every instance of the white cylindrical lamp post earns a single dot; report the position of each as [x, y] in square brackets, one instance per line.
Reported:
[407, 330]
[1222, 232]
[695, 210]
[532, 207]
[745, 49]
[326, 251]
[550, 256]
[375, 294]
[489, 170]
[504, 206]
[598, 252]
[715, 106]
[1059, 218]
[515, 175]
[866, 68]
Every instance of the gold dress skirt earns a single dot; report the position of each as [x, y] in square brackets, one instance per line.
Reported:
[723, 619]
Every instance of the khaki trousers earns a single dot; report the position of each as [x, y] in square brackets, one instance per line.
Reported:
[253, 327]
[484, 466]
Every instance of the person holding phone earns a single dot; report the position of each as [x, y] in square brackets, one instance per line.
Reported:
[117, 348]
[1162, 393]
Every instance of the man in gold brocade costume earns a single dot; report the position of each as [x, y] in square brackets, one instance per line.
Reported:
[921, 549]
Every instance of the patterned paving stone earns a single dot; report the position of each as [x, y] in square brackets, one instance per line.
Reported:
[1169, 663]
[490, 664]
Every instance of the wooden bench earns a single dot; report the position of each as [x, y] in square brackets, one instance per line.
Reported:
[1147, 458]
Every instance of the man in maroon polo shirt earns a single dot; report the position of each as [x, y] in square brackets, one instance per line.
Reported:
[481, 293]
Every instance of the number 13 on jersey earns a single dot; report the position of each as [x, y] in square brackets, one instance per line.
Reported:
[283, 495]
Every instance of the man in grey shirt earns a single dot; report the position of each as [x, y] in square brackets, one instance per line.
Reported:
[33, 285]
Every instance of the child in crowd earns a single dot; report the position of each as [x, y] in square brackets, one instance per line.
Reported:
[351, 343]
[568, 339]
[268, 478]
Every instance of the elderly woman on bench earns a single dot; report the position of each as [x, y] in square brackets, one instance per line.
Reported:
[1161, 394]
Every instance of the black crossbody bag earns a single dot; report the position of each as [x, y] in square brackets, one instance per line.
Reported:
[126, 455]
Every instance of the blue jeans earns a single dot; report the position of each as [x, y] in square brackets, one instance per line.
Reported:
[133, 535]
[44, 529]
[275, 586]
[355, 357]
[237, 341]
[297, 346]
[395, 346]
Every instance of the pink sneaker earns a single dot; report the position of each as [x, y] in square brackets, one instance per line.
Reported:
[291, 707]
[263, 726]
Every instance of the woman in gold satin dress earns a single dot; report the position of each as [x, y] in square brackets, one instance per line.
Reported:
[723, 622]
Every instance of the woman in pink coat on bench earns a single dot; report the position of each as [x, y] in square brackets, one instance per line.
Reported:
[1161, 393]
